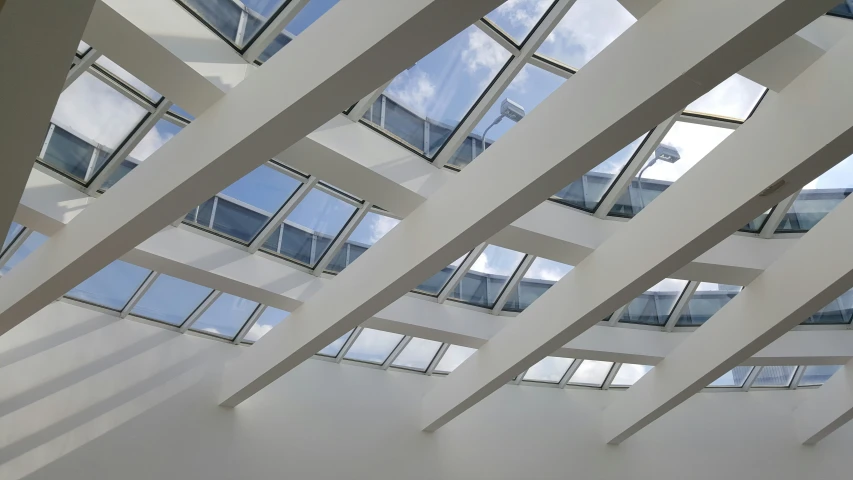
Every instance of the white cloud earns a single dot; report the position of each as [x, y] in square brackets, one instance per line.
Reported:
[415, 89]
[588, 27]
[257, 331]
[211, 330]
[693, 142]
[544, 269]
[669, 285]
[483, 52]
[381, 225]
[521, 14]
[735, 97]
[497, 261]
[150, 143]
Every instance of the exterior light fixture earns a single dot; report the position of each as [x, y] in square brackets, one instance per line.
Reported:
[510, 110]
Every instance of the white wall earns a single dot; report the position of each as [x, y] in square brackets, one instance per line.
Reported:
[87, 396]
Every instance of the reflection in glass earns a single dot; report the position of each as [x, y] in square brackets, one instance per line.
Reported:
[269, 318]
[373, 227]
[115, 70]
[14, 230]
[334, 348]
[486, 278]
[517, 18]
[170, 300]
[818, 198]
[373, 346]
[817, 374]
[434, 284]
[417, 355]
[775, 376]
[736, 98]
[32, 242]
[838, 312]
[536, 281]
[629, 373]
[548, 370]
[735, 377]
[653, 306]
[708, 299]
[225, 316]
[591, 373]
[112, 286]
[453, 357]
[227, 16]
[162, 132]
[313, 10]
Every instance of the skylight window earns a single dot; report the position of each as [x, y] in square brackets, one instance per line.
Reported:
[516, 18]
[373, 227]
[591, 373]
[373, 346]
[116, 71]
[485, 281]
[33, 241]
[313, 10]
[838, 312]
[548, 370]
[112, 286]
[775, 376]
[818, 374]
[453, 357]
[734, 98]
[170, 300]
[653, 306]
[541, 275]
[818, 198]
[734, 378]
[269, 318]
[225, 316]
[434, 284]
[334, 348]
[14, 230]
[162, 132]
[238, 25]
[417, 355]
[708, 299]
[629, 374]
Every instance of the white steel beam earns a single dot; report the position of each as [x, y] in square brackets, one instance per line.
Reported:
[826, 409]
[616, 273]
[35, 72]
[497, 190]
[268, 112]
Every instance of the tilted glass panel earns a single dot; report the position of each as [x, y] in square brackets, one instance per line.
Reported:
[536, 281]
[735, 98]
[313, 10]
[684, 146]
[588, 27]
[162, 132]
[373, 346]
[82, 48]
[32, 242]
[373, 227]
[775, 376]
[115, 70]
[817, 374]
[818, 198]
[755, 225]
[653, 306]
[548, 370]
[170, 300]
[708, 299]
[14, 230]
[735, 377]
[629, 373]
[838, 312]
[530, 86]
[486, 278]
[425, 103]
[181, 112]
[417, 355]
[453, 357]
[844, 9]
[516, 18]
[225, 16]
[334, 348]
[112, 286]
[90, 121]
[591, 373]
[434, 284]
[269, 318]
[225, 317]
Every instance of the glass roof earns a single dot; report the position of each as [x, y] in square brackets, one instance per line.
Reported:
[313, 10]
[373, 346]
[536, 281]
[487, 277]
[629, 373]
[548, 370]
[653, 306]
[225, 316]
[735, 98]
[516, 18]
[171, 300]
[818, 198]
[112, 287]
[708, 299]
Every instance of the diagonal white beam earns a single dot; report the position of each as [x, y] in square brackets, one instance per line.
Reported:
[34, 75]
[264, 114]
[499, 188]
[826, 409]
[615, 273]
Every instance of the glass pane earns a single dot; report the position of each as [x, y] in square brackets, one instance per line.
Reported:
[334, 348]
[170, 300]
[774, 376]
[162, 132]
[181, 112]
[436, 93]
[838, 312]
[373, 346]
[735, 98]
[588, 191]
[629, 373]
[125, 76]
[224, 16]
[756, 224]
[681, 148]
[226, 316]
[588, 27]
[653, 306]
[453, 357]
[526, 91]
[708, 299]
[845, 9]
[32, 242]
[82, 47]
[548, 370]
[518, 17]
[735, 377]
[591, 373]
[818, 374]
[373, 227]
[537, 280]
[270, 317]
[313, 10]
[14, 230]
[111, 287]
[485, 281]
[417, 355]
[90, 121]
[818, 198]
[436, 283]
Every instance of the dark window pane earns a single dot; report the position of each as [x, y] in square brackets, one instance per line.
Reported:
[653, 306]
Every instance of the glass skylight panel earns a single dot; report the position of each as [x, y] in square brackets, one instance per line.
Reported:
[818, 198]
[588, 27]
[530, 86]
[115, 70]
[162, 132]
[653, 306]
[684, 146]
[838, 312]
[227, 16]
[629, 373]
[417, 355]
[734, 378]
[548, 370]
[434, 284]
[373, 346]
[82, 48]
[313, 10]
[453, 357]
[32, 242]
[486, 278]
[14, 230]
[90, 121]
[424, 104]
[373, 227]
[536, 281]
[170, 300]
[817, 375]
[181, 112]
[844, 9]
[591, 373]
[225, 317]
[708, 299]
[112, 286]
[775, 376]
[734, 98]
[269, 318]
[334, 348]
[517, 18]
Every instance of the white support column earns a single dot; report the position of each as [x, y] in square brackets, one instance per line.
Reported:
[827, 409]
[777, 215]
[199, 311]
[365, 103]
[785, 141]
[39, 38]
[513, 282]
[253, 318]
[80, 66]
[140, 292]
[273, 27]
[498, 190]
[265, 114]
[679, 306]
[460, 272]
[282, 213]
[621, 185]
[342, 238]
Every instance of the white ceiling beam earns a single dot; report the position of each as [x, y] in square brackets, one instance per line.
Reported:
[263, 115]
[826, 409]
[499, 189]
[616, 272]
[39, 39]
